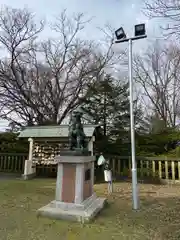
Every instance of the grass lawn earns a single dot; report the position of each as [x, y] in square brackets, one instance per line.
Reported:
[158, 218]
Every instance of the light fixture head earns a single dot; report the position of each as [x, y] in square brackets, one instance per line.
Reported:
[139, 29]
[120, 34]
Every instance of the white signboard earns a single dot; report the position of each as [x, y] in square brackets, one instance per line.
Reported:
[107, 175]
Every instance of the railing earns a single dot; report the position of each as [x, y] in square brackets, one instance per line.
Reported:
[152, 168]
[12, 162]
[164, 168]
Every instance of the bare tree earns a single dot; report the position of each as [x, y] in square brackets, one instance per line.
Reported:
[157, 73]
[41, 82]
[167, 9]
[18, 42]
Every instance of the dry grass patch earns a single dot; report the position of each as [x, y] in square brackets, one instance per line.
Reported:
[158, 218]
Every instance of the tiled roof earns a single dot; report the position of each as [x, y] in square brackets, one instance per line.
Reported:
[53, 131]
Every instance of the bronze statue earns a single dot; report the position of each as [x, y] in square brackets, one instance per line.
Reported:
[77, 137]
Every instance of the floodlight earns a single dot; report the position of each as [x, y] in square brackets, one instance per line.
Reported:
[139, 30]
[120, 34]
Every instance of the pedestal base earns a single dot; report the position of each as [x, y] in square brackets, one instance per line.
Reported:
[83, 212]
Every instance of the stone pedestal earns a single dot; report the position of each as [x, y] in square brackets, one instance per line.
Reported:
[75, 198]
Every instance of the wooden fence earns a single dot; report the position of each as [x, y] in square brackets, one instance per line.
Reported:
[166, 169]
[46, 170]
[12, 162]
[163, 169]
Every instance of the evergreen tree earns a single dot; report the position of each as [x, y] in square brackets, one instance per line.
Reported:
[108, 106]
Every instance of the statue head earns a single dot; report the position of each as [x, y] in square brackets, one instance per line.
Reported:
[77, 113]
[76, 116]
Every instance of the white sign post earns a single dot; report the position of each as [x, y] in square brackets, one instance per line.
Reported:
[107, 172]
[108, 179]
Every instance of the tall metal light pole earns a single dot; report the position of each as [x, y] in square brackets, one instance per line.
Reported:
[121, 37]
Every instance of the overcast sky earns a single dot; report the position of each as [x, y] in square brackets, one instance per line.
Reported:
[117, 13]
[125, 13]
